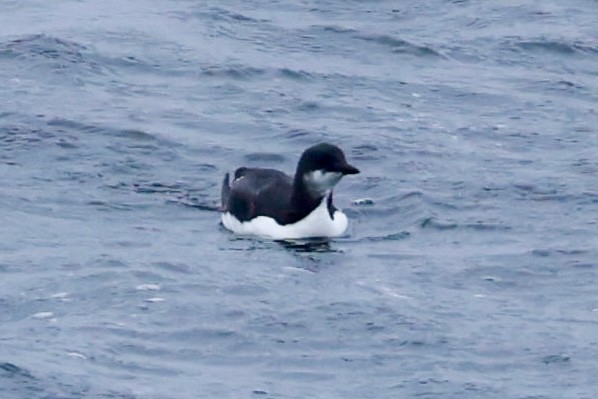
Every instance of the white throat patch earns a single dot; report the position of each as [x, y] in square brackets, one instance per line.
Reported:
[321, 182]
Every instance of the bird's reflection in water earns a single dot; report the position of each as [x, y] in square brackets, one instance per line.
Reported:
[312, 253]
[308, 245]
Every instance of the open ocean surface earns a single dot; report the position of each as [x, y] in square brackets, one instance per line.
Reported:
[470, 272]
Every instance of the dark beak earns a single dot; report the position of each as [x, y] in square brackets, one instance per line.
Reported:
[347, 169]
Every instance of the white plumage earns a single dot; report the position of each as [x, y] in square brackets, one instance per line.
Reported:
[317, 224]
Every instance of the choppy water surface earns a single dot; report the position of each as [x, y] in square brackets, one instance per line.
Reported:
[472, 274]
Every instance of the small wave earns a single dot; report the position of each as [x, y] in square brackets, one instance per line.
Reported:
[557, 193]
[431, 222]
[335, 29]
[366, 152]
[191, 201]
[43, 46]
[178, 193]
[437, 225]
[562, 86]
[232, 71]
[586, 166]
[13, 370]
[301, 137]
[293, 133]
[74, 125]
[555, 359]
[157, 188]
[556, 46]
[245, 72]
[300, 376]
[401, 46]
[112, 206]
[234, 16]
[52, 52]
[398, 236]
[363, 202]
[16, 136]
[130, 62]
[409, 195]
[134, 134]
[204, 334]
[398, 46]
[219, 14]
[556, 252]
[308, 106]
[15, 380]
[293, 74]
[264, 157]
[173, 267]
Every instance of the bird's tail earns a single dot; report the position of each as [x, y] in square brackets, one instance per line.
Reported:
[225, 193]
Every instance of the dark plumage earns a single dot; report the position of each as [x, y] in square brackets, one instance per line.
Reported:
[269, 192]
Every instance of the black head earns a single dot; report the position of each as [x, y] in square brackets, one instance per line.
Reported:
[325, 158]
[320, 168]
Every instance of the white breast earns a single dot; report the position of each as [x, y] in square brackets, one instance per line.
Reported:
[317, 224]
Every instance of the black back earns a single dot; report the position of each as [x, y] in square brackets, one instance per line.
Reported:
[259, 192]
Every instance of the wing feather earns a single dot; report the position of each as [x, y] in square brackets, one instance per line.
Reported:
[259, 192]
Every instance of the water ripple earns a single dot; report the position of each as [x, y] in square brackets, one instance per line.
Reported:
[436, 224]
[473, 218]
[400, 46]
[557, 47]
[49, 52]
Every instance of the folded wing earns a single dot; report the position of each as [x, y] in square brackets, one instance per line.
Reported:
[257, 192]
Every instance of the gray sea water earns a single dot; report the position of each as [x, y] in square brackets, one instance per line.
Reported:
[470, 272]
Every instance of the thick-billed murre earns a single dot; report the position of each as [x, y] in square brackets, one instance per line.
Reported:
[269, 203]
